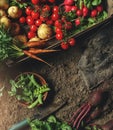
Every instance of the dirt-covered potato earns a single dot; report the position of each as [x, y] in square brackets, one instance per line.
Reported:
[15, 29]
[5, 21]
[44, 31]
[2, 13]
[14, 12]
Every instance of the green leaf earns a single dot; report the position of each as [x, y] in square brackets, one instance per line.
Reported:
[51, 119]
[87, 128]
[96, 2]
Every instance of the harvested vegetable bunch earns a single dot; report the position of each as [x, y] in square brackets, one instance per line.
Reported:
[12, 48]
[89, 110]
[8, 48]
[52, 123]
[28, 90]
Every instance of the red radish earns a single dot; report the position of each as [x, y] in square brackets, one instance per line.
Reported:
[99, 8]
[77, 22]
[79, 12]
[94, 13]
[95, 100]
[68, 2]
[85, 11]
[67, 8]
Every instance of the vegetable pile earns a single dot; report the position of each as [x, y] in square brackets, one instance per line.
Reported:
[28, 90]
[52, 123]
[31, 24]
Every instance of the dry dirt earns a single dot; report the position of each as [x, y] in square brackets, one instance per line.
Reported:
[64, 80]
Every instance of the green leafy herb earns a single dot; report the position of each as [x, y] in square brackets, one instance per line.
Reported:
[52, 123]
[8, 47]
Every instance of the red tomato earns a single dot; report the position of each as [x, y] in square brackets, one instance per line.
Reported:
[58, 30]
[64, 45]
[22, 20]
[38, 22]
[74, 8]
[29, 20]
[49, 22]
[77, 22]
[33, 28]
[28, 10]
[51, 1]
[35, 2]
[55, 9]
[68, 25]
[34, 15]
[55, 16]
[31, 34]
[79, 12]
[46, 8]
[58, 24]
[94, 13]
[71, 41]
[43, 19]
[59, 36]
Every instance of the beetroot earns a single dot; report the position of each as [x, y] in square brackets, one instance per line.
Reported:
[95, 100]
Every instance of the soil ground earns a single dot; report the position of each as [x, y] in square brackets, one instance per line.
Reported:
[64, 80]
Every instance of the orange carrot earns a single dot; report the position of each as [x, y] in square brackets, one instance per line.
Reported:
[38, 44]
[35, 57]
[38, 51]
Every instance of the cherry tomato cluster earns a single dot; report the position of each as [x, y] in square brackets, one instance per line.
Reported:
[62, 18]
[70, 42]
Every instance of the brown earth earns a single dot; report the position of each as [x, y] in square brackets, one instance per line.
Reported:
[62, 77]
[64, 80]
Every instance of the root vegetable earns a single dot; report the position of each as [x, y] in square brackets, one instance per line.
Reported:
[15, 29]
[34, 39]
[38, 51]
[35, 57]
[21, 38]
[14, 12]
[4, 4]
[95, 100]
[2, 13]
[39, 44]
[5, 21]
[44, 31]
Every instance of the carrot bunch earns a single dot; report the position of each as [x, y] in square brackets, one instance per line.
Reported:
[33, 48]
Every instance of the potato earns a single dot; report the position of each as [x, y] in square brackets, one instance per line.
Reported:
[21, 38]
[15, 29]
[44, 31]
[5, 21]
[2, 13]
[34, 39]
[14, 12]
